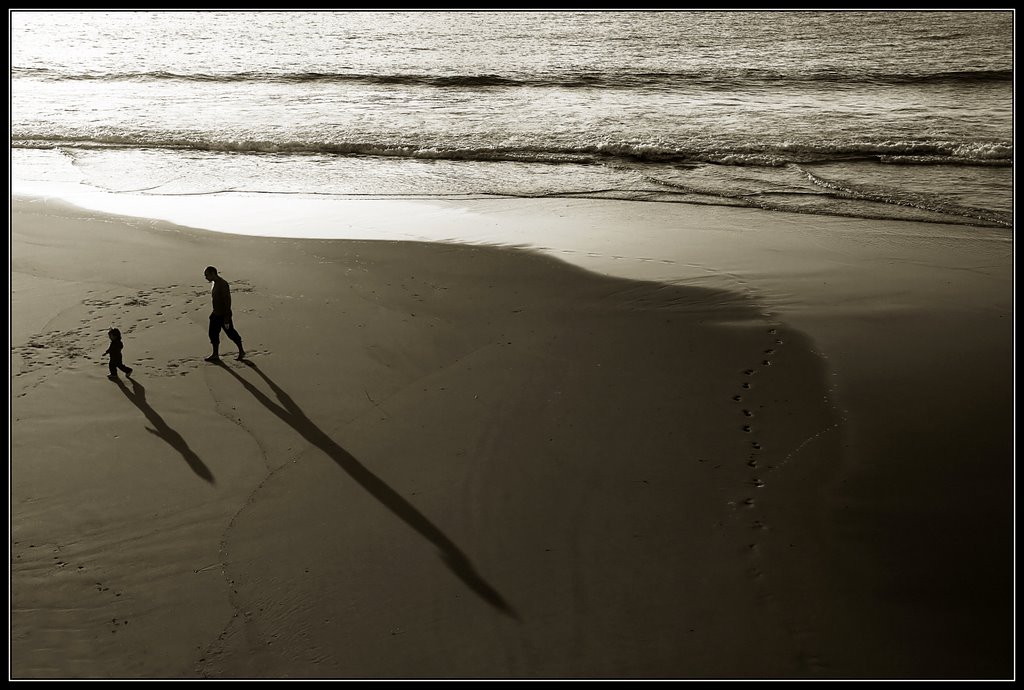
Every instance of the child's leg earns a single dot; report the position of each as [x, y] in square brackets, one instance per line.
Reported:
[112, 366]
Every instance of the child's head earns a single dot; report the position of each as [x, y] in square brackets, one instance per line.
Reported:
[114, 334]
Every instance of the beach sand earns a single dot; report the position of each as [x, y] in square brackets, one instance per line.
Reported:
[445, 460]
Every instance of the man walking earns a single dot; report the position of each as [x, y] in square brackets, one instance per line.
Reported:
[220, 318]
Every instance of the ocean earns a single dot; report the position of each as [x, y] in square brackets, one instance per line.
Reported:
[865, 114]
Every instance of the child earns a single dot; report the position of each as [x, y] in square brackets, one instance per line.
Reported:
[115, 355]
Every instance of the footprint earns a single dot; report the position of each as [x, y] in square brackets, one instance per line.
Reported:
[748, 372]
[746, 427]
[746, 385]
[737, 398]
[766, 363]
[756, 445]
[747, 413]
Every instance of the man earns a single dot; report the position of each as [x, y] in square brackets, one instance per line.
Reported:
[221, 316]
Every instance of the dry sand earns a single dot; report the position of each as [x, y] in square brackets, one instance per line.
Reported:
[463, 461]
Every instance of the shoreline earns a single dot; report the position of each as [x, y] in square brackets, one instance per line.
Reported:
[482, 402]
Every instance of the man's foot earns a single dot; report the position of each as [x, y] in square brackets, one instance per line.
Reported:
[212, 358]
[113, 377]
[129, 372]
[241, 355]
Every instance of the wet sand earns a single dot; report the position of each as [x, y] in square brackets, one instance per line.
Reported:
[464, 461]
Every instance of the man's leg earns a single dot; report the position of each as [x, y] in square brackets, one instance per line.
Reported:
[229, 328]
[215, 326]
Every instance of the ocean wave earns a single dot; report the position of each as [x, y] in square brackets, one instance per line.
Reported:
[937, 152]
[716, 79]
[922, 202]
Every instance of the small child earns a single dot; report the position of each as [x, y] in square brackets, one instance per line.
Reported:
[115, 355]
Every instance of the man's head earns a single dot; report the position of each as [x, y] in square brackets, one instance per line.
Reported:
[210, 273]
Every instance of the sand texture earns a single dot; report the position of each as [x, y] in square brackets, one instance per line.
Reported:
[465, 461]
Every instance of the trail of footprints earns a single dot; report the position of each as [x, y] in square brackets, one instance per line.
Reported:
[60, 564]
[50, 351]
[748, 425]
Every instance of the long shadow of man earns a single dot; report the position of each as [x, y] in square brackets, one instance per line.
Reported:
[291, 414]
[160, 428]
